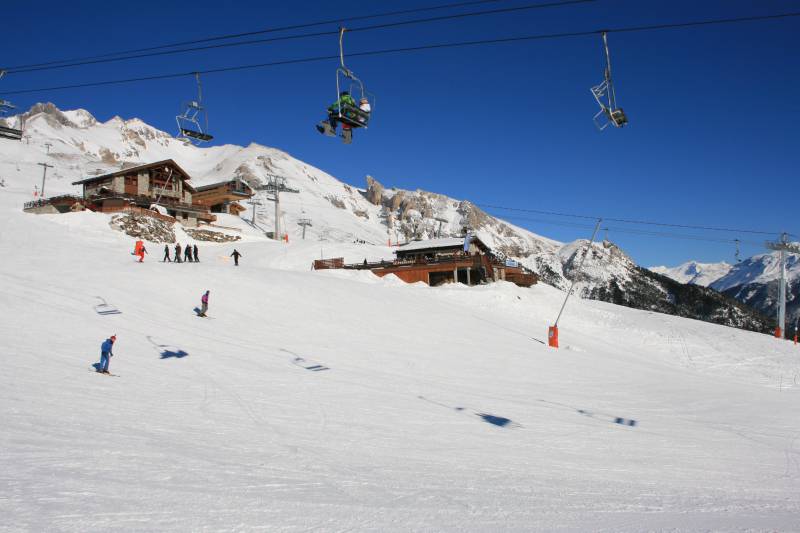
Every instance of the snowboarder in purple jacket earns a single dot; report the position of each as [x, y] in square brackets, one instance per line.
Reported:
[203, 304]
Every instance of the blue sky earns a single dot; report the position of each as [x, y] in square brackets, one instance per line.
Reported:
[712, 139]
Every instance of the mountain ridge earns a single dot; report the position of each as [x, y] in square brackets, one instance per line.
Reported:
[81, 145]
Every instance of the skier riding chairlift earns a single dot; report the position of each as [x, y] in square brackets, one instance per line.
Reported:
[345, 109]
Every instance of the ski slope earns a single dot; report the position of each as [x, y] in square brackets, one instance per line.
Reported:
[339, 401]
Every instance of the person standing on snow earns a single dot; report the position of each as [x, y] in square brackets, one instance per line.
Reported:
[236, 255]
[166, 254]
[177, 252]
[188, 254]
[106, 354]
[196, 257]
[142, 251]
[203, 304]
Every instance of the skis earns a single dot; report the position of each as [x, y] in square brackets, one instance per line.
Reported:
[325, 128]
[103, 373]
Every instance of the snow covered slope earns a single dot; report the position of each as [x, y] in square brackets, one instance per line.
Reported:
[703, 274]
[341, 213]
[339, 401]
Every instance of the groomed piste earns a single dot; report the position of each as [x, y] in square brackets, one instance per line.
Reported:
[339, 401]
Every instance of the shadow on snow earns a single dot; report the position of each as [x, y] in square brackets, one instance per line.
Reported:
[167, 351]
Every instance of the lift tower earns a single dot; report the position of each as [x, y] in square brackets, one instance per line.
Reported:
[782, 246]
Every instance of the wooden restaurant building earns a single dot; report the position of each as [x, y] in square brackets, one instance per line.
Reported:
[439, 261]
[164, 183]
[161, 189]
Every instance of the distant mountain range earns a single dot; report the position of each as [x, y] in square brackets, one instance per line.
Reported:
[694, 273]
[80, 145]
[754, 281]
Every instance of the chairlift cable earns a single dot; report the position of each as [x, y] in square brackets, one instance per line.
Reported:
[408, 49]
[307, 35]
[633, 231]
[259, 32]
[630, 221]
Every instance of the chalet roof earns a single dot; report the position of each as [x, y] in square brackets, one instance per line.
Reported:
[211, 186]
[438, 244]
[166, 162]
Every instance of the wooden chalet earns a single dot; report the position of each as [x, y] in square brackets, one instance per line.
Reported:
[163, 182]
[439, 261]
[223, 197]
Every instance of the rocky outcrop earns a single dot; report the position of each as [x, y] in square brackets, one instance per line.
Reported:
[336, 202]
[143, 227]
[374, 194]
[52, 114]
[210, 236]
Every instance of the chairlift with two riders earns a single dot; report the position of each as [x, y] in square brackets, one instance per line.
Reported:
[351, 116]
[193, 122]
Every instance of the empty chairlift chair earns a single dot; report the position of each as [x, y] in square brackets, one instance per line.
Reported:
[7, 132]
[606, 98]
[193, 122]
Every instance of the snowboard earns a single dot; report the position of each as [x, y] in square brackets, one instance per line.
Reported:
[347, 135]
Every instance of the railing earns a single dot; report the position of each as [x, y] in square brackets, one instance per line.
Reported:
[61, 199]
[327, 264]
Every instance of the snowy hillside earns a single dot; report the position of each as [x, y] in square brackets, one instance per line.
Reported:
[339, 401]
[81, 146]
[340, 213]
[762, 269]
[755, 281]
[695, 273]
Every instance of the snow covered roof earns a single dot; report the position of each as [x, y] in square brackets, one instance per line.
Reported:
[166, 162]
[432, 243]
[214, 185]
[435, 244]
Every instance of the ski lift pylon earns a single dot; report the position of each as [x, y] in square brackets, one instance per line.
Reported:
[606, 97]
[193, 122]
[7, 132]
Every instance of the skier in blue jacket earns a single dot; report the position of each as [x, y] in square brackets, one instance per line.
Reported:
[106, 353]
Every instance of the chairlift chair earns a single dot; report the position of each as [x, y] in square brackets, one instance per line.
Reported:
[349, 115]
[7, 132]
[193, 122]
[606, 98]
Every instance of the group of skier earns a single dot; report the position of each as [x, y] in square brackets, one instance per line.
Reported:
[190, 254]
[106, 348]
